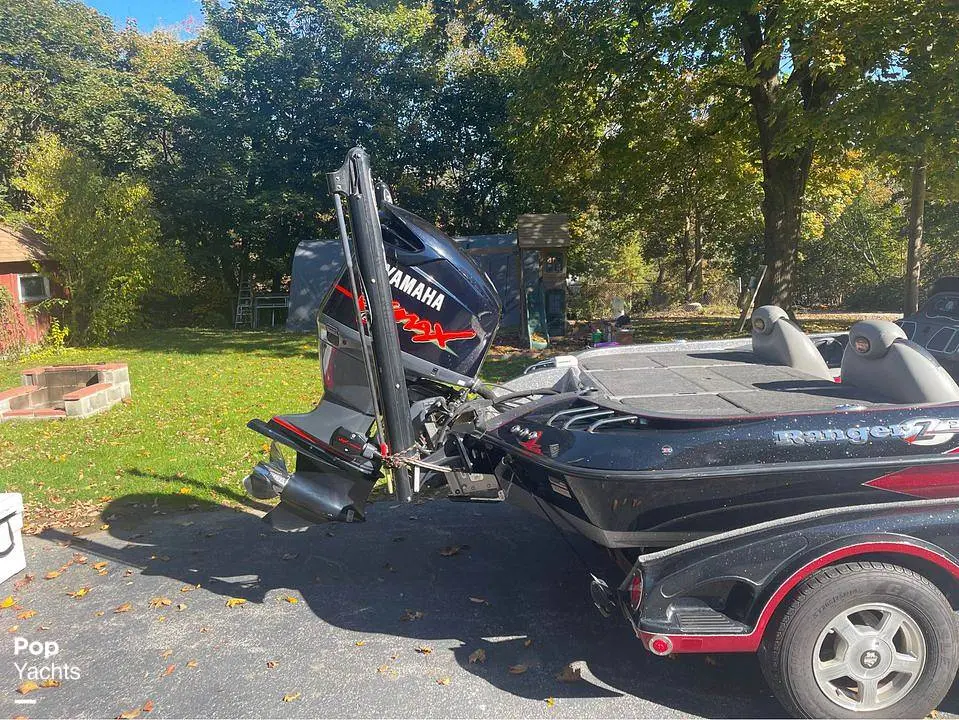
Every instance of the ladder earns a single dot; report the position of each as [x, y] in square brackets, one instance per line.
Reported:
[244, 305]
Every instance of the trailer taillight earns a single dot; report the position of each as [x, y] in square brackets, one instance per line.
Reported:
[636, 591]
[660, 645]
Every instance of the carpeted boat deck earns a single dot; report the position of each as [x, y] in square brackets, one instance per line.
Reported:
[719, 383]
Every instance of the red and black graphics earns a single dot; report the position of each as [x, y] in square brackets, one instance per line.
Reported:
[445, 307]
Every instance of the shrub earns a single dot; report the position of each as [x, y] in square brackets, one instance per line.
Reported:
[102, 237]
[13, 326]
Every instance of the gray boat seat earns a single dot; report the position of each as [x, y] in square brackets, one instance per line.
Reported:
[777, 340]
[880, 359]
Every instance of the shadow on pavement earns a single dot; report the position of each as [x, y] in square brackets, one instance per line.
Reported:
[368, 577]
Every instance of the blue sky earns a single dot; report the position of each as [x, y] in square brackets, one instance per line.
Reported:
[149, 14]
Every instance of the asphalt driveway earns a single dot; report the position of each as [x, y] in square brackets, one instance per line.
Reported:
[378, 619]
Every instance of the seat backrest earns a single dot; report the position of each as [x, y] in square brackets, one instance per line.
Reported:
[777, 340]
[881, 360]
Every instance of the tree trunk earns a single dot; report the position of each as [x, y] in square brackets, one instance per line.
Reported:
[785, 171]
[689, 262]
[784, 186]
[692, 247]
[699, 261]
[917, 203]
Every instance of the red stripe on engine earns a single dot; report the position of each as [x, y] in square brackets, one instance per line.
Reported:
[295, 430]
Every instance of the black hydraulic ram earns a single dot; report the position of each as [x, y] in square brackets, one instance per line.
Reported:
[354, 182]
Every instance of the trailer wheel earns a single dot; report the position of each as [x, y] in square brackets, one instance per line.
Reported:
[863, 639]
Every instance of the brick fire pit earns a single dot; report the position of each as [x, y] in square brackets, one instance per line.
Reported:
[65, 391]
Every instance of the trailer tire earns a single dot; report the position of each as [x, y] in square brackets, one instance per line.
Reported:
[891, 628]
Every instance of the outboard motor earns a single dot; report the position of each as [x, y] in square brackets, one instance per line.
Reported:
[443, 312]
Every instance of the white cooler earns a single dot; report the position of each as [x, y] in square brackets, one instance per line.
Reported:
[12, 560]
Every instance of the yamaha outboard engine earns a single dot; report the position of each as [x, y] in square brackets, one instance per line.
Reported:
[391, 361]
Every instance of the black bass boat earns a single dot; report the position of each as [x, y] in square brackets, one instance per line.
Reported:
[757, 463]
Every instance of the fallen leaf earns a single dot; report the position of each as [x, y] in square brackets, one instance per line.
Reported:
[517, 669]
[192, 664]
[271, 664]
[49, 683]
[410, 615]
[26, 614]
[570, 674]
[79, 559]
[289, 556]
[188, 588]
[27, 687]
[423, 649]
[99, 565]
[290, 599]
[180, 607]
[528, 642]
[445, 680]
[479, 600]
[98, 613]
[166, 653]
[23, 582]
[77, 594]
[148, 706]
[383, 669]
[360, 643]
[450, 550]
[51, 575]
[290, 697]
[6, 602]
[550, 702]
[125, 607]
[13, 628]
[158, 602]
[233, 602]
[186, 490]
[478, 656]
[169, 671]
[129, 714]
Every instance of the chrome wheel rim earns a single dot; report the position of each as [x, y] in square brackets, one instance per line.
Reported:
[869, 657]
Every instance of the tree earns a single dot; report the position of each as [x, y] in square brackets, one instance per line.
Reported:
[651, 155]
[794, 59]
[56, 74]
[851, 251]
[102, 237]
[908, 116]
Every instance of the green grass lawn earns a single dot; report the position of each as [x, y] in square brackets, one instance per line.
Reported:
[183, 439]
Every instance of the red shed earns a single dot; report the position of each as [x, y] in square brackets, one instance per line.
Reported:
[23, 262]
